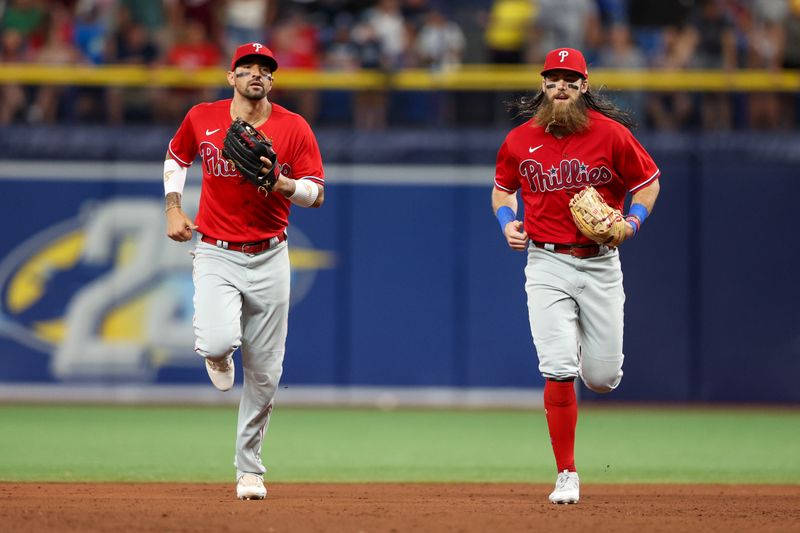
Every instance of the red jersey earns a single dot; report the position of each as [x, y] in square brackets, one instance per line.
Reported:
[550, 171]
[231, 209]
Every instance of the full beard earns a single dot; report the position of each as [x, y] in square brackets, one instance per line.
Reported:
[566, 117]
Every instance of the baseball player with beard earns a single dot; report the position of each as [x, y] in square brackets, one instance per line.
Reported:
[574, 140]
[241, 261]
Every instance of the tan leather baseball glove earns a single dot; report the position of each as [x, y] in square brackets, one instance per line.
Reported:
[596, 219]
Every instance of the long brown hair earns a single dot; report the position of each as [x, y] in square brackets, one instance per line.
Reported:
[527, 106]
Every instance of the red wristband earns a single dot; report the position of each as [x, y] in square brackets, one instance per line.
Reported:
[635, 222]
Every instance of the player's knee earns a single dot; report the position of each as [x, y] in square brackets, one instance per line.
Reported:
[601, 387]
[219, 343]
[602, 376]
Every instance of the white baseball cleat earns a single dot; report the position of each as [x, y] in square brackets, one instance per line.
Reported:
[221, 373]
[567, 488]
[251, 487]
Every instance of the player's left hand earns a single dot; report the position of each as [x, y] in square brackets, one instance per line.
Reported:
[597, 220]
[621, 236]
[629, 231]
[280, 184]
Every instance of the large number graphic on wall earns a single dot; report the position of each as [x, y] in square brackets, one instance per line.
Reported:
[109, 296]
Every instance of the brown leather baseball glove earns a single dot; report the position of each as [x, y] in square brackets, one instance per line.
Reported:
[596, 219]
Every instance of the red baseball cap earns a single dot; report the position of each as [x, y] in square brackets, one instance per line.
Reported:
[254, 49]
[566, 59]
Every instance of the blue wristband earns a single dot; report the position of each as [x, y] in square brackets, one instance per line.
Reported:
[505, 215]
[639, 211]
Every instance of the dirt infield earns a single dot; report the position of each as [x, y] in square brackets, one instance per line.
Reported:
[395, 507]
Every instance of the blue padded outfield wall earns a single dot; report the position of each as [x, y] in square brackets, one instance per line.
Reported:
[403, 278]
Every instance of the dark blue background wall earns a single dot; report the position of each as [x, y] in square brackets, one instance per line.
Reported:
[425, 292]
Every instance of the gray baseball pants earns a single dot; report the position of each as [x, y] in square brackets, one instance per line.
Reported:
[242, 301]
[575, 307]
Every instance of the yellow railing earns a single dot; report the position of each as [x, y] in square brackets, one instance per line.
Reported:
[467, 78]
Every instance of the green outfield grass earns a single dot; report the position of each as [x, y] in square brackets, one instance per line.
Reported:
[94, 443]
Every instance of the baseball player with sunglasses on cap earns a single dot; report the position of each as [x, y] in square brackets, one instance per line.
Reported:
[573, 162]
[258, 159]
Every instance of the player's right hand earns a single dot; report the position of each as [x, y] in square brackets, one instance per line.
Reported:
[179, 226]
[515, 235]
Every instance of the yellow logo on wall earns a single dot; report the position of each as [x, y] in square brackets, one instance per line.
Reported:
[111, 295]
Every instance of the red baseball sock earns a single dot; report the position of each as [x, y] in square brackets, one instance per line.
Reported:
[561, 409]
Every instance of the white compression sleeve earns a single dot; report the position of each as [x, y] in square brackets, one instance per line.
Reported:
[174, 177]
[305, 193]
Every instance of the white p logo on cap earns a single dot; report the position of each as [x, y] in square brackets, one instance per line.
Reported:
[260, 46]
[563, 54]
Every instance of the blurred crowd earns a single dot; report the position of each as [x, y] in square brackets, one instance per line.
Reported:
[348, 35]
